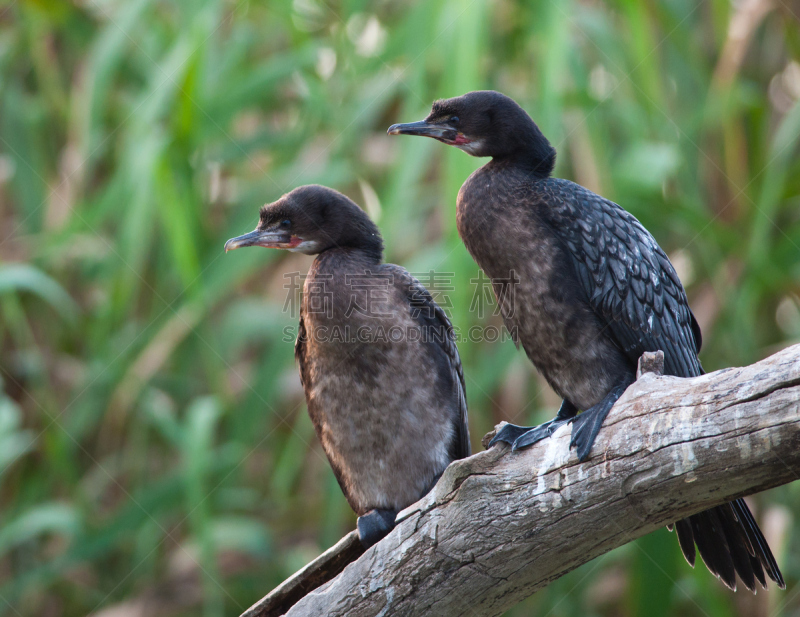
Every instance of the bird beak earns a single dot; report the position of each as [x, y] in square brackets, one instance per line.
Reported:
[266, 238]
[442, 132]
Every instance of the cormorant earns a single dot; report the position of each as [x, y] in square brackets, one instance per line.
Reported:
[378, 362]
[585, 289]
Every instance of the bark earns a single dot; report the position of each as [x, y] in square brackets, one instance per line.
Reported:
[500, 525]
[319, 571]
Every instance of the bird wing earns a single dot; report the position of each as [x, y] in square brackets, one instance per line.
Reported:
[313, 410]
[432, 317]
[633, 287]
[300, 350]
[628, 279]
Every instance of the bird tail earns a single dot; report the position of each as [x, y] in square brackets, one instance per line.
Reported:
[730, 543]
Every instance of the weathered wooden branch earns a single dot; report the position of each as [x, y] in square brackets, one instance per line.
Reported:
[500, 525]
[316, 573]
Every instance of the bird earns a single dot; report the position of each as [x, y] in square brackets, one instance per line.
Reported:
[585, 289]
[377, 357]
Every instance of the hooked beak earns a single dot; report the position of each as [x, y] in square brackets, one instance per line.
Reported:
[442, 132]
[266, 238]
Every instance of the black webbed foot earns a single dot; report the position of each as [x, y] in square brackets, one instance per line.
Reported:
[537, 434]
[510, 433]
[524, 436]
[586, 426]
[375, 525]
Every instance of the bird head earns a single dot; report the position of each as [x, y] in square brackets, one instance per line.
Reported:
[485, 123]
[312, 219]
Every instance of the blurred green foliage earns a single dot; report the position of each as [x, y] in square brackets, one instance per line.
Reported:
[155, 453]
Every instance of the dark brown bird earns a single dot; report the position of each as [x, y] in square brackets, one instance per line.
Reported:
[379, 366]
[585, 289]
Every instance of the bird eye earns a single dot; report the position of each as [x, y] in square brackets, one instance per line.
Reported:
[454, 119]
[286, 223]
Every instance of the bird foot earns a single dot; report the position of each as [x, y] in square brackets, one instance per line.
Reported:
[586, 426]
[375, 525]
[524, 436]
[537, 434]
[509, 434]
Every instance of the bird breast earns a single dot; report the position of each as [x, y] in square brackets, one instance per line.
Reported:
[536, 287]
[383, 417]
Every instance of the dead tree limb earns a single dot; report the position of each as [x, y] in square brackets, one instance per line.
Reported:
[316, 573]
[500, 525]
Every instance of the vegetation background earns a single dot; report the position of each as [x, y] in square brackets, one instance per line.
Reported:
[156, 457]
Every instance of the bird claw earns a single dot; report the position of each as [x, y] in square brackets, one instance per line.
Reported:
[586, 426]
[519, 437]
[509, 434]
[375, 525]
[537, 434]
[582, 434]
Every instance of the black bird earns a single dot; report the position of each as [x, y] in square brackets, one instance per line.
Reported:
[585, 289]
[378, 363]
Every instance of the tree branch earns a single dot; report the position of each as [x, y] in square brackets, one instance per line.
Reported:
[320, 571]
[500, 525]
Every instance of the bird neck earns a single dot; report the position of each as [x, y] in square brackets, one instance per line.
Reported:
[361, 236]
[536, 163]
[366, 255]
[371, 249]
[530, 150]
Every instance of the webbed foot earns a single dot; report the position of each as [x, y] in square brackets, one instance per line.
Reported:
[510, 433]
[586, 425]
[537, 434]
[375, 525]
[524, 436]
